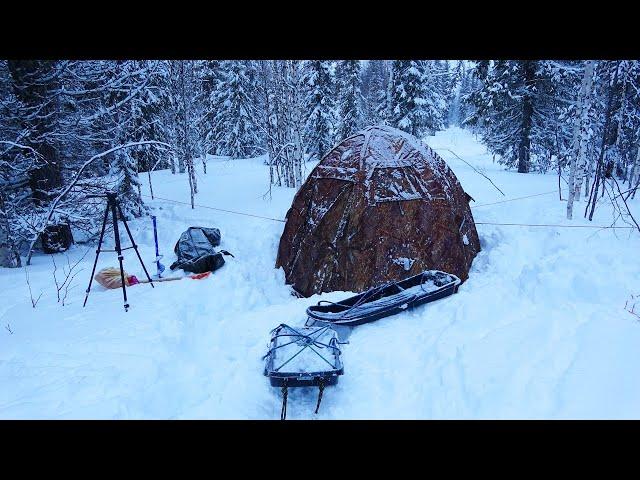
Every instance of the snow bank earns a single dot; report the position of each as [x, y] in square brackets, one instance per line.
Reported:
[538, 330]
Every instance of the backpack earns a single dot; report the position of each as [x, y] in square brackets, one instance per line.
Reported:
[196, 250]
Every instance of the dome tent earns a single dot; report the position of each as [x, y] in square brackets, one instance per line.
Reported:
[379, 207]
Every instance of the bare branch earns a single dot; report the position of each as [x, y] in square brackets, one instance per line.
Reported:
[69, 273]
[624, 200]
[17, 145]
[630, 305]
[33, 302]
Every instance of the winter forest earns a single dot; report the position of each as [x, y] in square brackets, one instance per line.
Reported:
[193, 141]
[69, 129]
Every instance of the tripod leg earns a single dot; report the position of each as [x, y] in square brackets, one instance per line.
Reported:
[95, 263]
[116, 233]
[135, 247]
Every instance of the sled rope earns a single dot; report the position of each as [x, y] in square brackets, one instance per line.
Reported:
[218, 209]
[321, 389]
[284, 221]
[285, 394]
[513, 199]
[601, 227]
[474, 168]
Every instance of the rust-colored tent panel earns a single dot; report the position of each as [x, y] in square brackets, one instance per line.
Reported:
[379, 207]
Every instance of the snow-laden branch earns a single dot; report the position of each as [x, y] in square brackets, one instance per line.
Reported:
[56, 201]
[18, 145]
[112, 84]
[103, 112]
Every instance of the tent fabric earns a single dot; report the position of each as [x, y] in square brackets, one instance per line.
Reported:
[379, 207]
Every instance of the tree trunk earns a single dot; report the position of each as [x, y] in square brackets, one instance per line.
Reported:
[578, 159]
[524, 147]
[9, 255]
[139, 187]
[587, 182]
[632, 174]
[593, 199]
[204, 157]
[150, 185]
[390, 94]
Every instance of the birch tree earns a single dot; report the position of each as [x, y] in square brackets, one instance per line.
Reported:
[183, 87]
[580, 138]
[286, 117]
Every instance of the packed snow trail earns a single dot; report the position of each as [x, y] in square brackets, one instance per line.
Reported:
[538, 330]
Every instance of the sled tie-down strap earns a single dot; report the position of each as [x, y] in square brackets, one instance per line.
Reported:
[310, 340]
[321, 389]
[285, 394]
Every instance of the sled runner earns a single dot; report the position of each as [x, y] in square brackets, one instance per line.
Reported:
[303, 357]
[387, 299]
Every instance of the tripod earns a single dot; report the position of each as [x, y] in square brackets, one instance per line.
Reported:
[114, 207]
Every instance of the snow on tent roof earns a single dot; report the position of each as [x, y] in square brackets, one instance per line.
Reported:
[391, 164]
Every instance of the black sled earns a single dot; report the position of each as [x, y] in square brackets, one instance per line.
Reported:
[385, 300]
[303, 357]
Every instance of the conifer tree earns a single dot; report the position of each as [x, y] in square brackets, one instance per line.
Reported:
[375, 79]
[350, 101]
[504, 105]
[209, 78]
[414, 108]
[437, 94]
[235, 131]
[320, 103]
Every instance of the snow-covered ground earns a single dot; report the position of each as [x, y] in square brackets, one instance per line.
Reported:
[538, 331]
